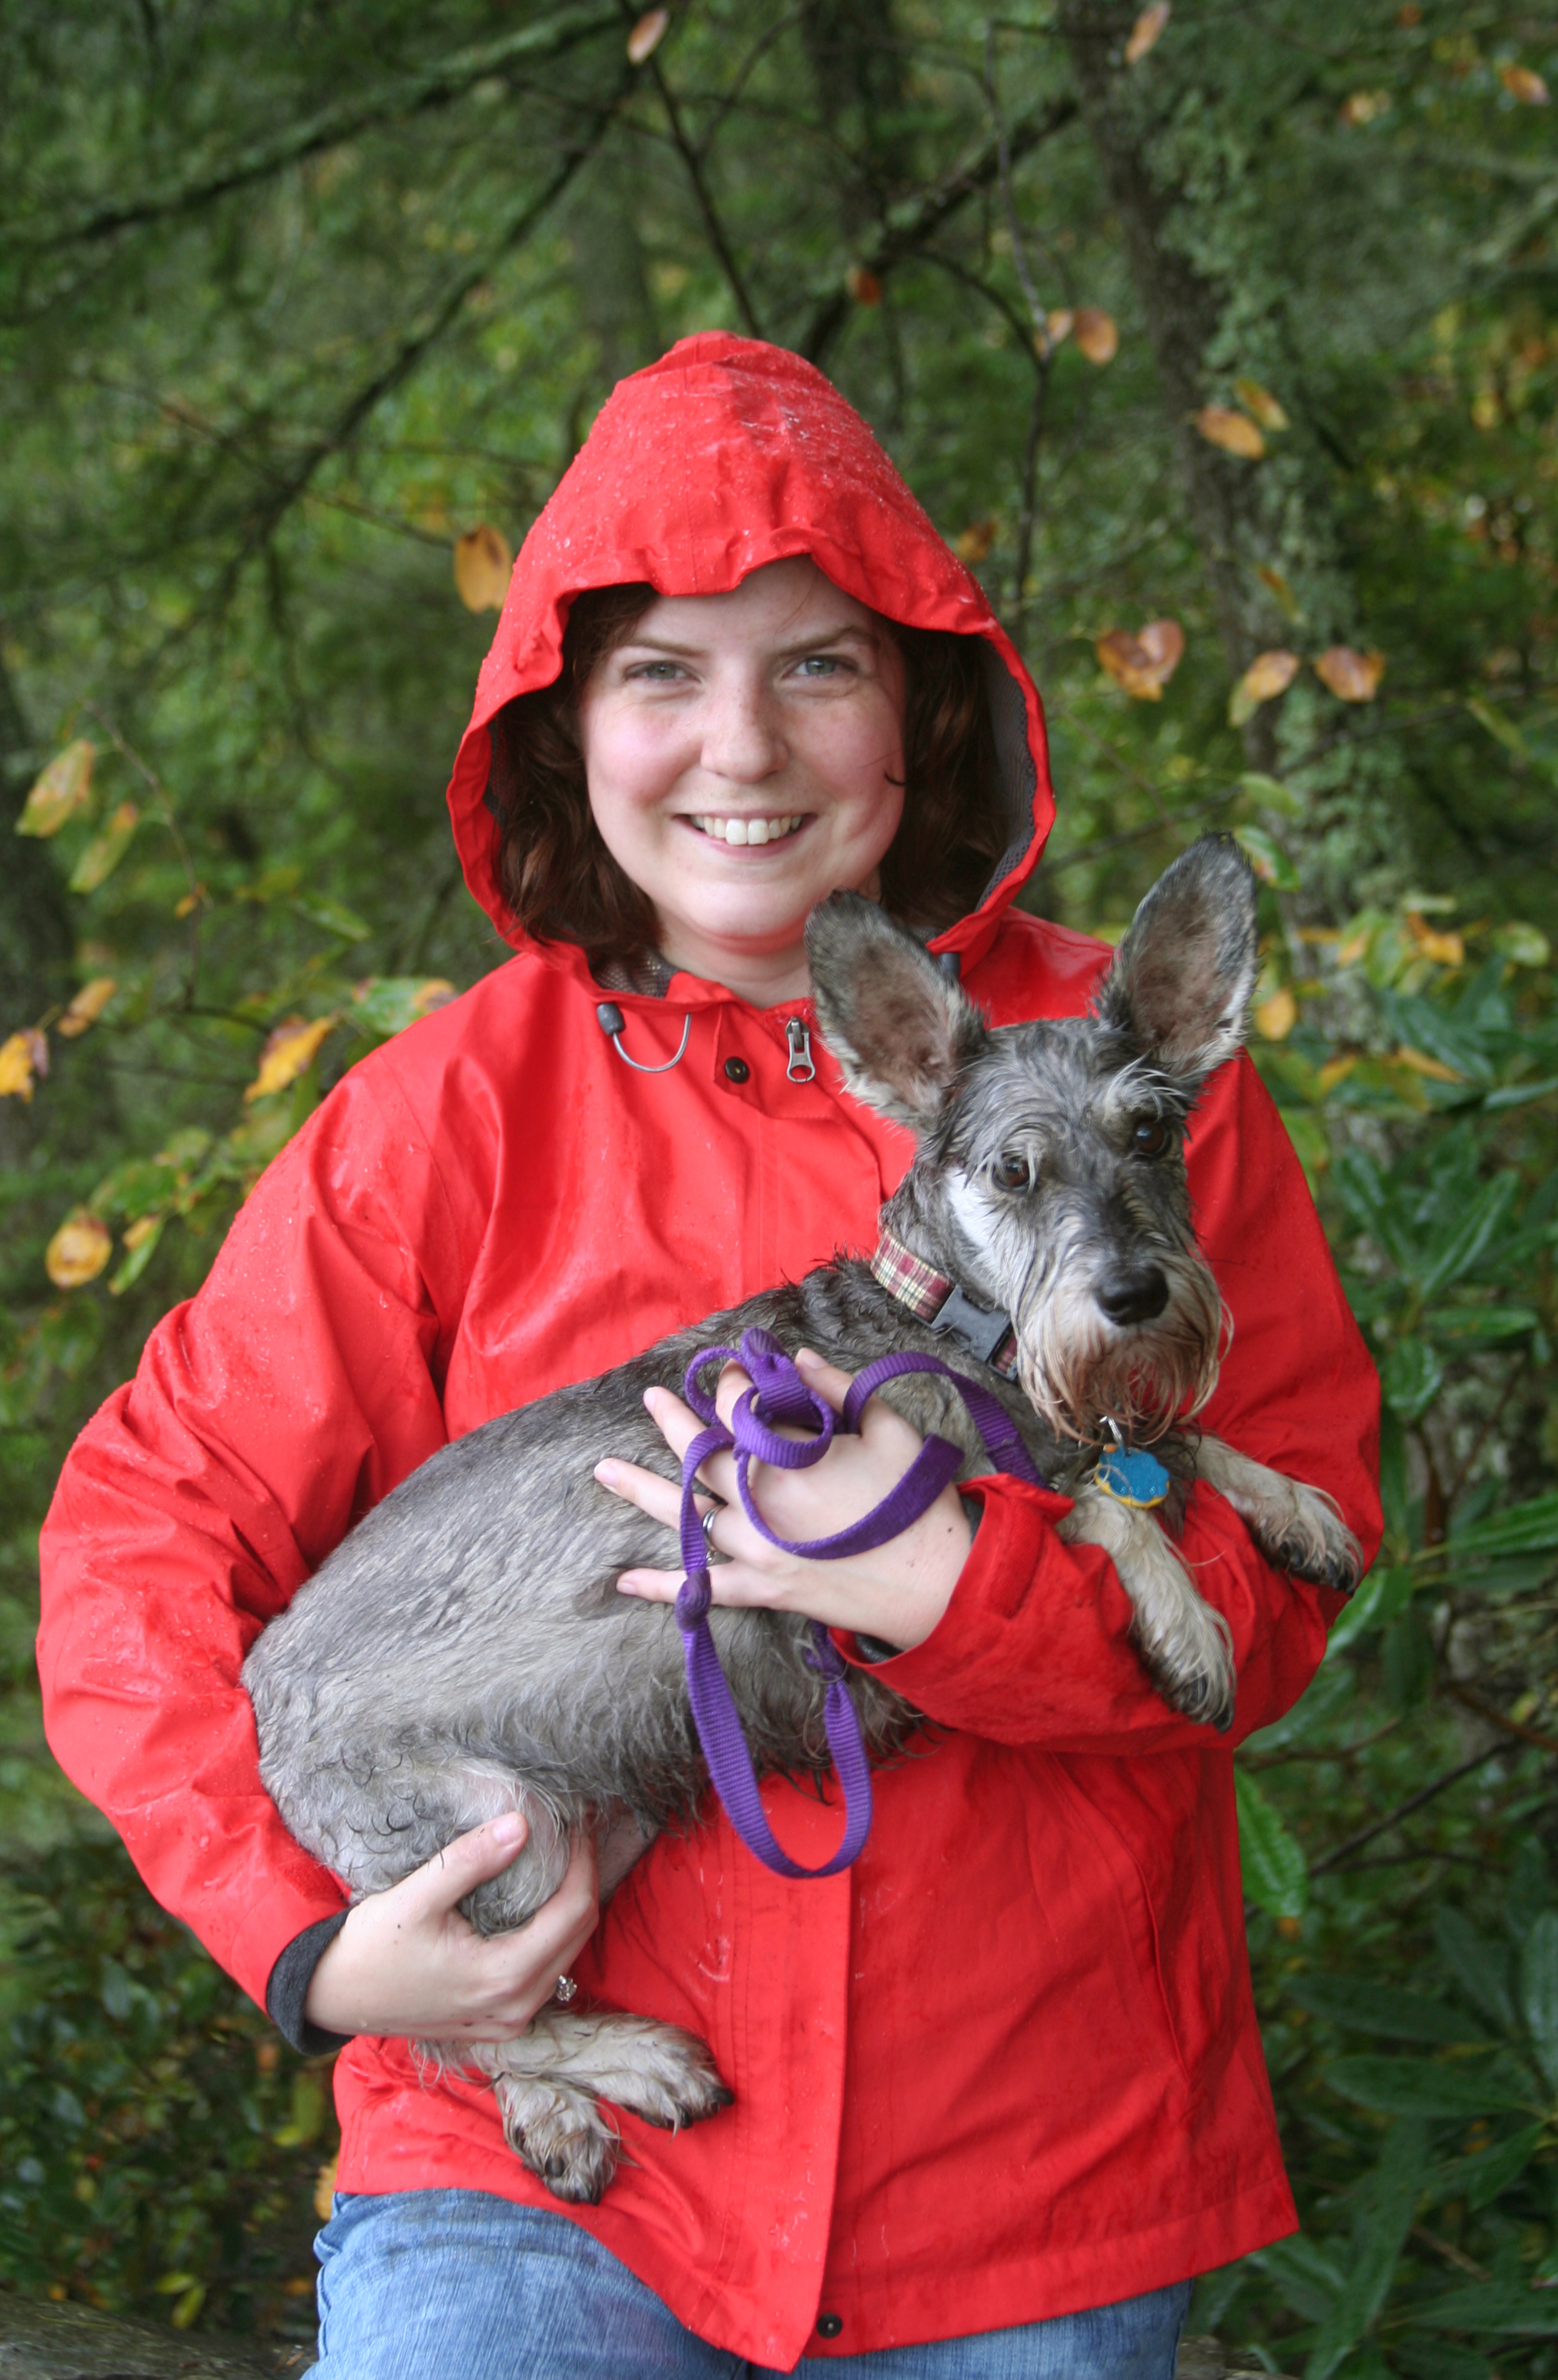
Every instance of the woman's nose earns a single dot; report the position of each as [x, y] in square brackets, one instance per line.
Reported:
[743, 740]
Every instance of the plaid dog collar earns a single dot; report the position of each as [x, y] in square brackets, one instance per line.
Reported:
[931, 1297]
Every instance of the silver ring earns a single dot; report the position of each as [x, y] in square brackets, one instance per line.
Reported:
[565, 1990]
[706, 1522]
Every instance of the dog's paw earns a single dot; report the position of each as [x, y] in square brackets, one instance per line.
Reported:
[561, 2132]
[1296, 1528]
[676, 2084]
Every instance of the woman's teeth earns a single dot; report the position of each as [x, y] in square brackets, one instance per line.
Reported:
[735, 830]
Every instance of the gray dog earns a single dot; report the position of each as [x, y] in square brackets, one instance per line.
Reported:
[465, 1651]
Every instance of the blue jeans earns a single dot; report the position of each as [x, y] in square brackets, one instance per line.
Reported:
[457, 2285]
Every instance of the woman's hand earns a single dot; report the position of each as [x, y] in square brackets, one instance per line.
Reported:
[898, 1592]
[406, 1961]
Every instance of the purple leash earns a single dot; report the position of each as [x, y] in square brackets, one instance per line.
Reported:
[779, 1395]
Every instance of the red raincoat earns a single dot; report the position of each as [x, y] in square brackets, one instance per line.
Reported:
[1006, 2068]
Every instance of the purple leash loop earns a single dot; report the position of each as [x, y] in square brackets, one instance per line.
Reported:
[779, 1396]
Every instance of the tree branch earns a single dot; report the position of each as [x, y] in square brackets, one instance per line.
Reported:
[909, 226]
[436, 86]
[1402, 1810]
[690, 157]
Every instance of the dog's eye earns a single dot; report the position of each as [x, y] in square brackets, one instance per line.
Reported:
[1151, 1136]
[1011, 1172]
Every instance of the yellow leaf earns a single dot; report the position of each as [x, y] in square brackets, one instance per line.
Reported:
[437, 992]
[976, 542]
[482, 561]
[1276, 1018]
[191, 902]
[1268, 675]
[325, 2188]
[87, 1006]
[1057, 324]
[60, 791]
[1095, 333]
[1146, 30]
[1444, 950]
[141, 1228]
[289, 1052]
[15, 1067]
[1235, 432]
[1351, 676]
[1143, 664]
[1335, 1070]
[1522, 85]
[79, 1250]
[1417, 1063]
[1259, 402]
[1363, 107]
[863, 285]
[106, 850]
[647, 35]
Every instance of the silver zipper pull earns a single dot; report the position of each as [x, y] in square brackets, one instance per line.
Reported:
[799, 1067]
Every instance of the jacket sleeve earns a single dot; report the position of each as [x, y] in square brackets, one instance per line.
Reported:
[1034, 1647]
[295, 1389]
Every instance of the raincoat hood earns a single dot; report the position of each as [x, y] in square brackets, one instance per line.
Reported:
[726, 454]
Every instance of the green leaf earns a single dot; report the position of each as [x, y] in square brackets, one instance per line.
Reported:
[1479, 1965]
[60, 791]
[1410, 1379]
[1520, 1094]
[1375, 1204]
[1502, 2307]
[1323, 1701]
[1481, 2178]
[1267, 858]
[1538, 1992]
[332, 916]
[1527, 1528]
[1276, 1874]
[1463, 1326]
[1380, 2008]
[1432, 2086]
[138, 1258]
[1383, 1594]
[1383, 2219]
[1272, 795]
[1465, 1245]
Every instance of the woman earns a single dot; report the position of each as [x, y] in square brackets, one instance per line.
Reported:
[998, 2091]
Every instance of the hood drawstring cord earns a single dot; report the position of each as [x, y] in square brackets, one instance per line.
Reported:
[610, 1019]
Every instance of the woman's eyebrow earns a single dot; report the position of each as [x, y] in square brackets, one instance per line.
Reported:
[846, 631]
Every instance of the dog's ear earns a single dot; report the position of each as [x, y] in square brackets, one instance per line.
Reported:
[1181, 981]
[900, 1029]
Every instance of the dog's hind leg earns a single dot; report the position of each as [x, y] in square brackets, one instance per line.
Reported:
[1298, 1528]
[1184, 1644]
[549, 2083]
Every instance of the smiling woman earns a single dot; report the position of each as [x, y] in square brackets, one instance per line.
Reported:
[786, 714]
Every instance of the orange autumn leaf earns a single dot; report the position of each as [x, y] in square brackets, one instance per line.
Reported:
[79, 1250]
[483, 559]
[289, 1052]
[647, 35]
[976, 542]
[1146, 31]
[15, 1067]
[1351, 676]
[1522, 84]
[1268, 675]
[87, 1006]
[863, 285]
[1095, 333]
[1143, 664]
[60, 791]
[1235, 432]
[1417, 1063]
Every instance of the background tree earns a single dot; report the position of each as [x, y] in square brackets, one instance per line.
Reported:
[1221, 344]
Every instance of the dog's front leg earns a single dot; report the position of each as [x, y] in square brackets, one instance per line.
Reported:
[1183, 1641]
[1298, 1528]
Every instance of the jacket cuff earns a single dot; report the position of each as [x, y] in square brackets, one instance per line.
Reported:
[288, 1988]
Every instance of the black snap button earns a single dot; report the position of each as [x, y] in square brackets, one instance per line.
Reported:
[736, 1070]
[829, 2325]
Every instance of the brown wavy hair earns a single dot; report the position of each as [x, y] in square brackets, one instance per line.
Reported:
[563, 884]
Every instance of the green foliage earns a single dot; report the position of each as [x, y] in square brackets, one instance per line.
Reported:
[290, 301]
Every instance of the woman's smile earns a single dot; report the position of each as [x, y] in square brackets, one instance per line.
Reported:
[747, 833]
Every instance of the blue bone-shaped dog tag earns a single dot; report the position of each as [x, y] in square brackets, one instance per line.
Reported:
[1132, 1476]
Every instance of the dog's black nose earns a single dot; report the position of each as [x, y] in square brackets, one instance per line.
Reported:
[1134, 1293]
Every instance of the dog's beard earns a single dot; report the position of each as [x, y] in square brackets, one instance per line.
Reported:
[1077, 1366]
